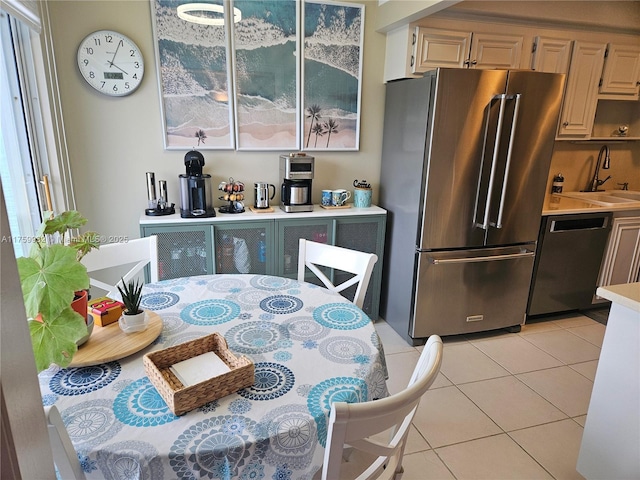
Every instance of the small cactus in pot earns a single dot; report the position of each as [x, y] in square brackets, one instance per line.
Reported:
[131, 293]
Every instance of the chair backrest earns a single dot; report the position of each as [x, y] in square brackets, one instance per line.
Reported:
[64, 455]
[354, 424]
[141, 251]
[311, 254]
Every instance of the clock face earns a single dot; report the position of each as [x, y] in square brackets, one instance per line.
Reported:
[111, 63]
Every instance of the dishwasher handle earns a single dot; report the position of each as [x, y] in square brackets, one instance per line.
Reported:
[568, 225]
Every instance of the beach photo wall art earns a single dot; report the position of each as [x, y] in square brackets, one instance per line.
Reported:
[259, 74]
[266, 74]
[332, 73]
[194, 66]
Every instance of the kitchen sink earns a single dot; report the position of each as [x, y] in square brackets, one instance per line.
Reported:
[608, 197]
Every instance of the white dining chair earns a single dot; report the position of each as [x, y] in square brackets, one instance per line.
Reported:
[141, 251]
[353, 425]
[314, 254]
[64, 455]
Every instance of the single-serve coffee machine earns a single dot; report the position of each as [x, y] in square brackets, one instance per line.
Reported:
[296, 169]
[196, 194]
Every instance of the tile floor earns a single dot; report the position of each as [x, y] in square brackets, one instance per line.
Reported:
[504, 406]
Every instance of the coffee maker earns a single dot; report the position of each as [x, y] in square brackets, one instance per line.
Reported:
[196, 197]
[296, 169]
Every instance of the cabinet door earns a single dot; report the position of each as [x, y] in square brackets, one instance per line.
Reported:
[622, 258]
[439, 48]
[182, 250]
[578, 109]
[243, 247]
[495, 51]
[621, 74]
[365, 234]
[551, 55]
[288, 234]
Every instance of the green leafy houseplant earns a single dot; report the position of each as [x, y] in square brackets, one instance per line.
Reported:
[50, 277]
[131, 293]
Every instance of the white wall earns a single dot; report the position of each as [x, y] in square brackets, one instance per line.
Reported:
[113, 141]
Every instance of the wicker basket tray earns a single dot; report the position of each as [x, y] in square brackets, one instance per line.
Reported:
[181, 399]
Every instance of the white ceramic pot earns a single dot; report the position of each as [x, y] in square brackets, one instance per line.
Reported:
[133, 323]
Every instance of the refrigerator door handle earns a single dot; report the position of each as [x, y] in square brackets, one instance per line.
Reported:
[491, 258]
[514, 121]
[485, 220]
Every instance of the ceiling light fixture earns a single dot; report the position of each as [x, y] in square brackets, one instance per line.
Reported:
[184, 12]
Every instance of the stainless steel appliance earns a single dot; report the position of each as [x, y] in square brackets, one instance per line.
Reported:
[262, 198]
[568, 258]
[465, 161]
[296, 170]
[196, 193]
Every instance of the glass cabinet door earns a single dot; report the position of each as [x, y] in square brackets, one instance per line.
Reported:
[244, 247]
[289, 233]
[366, 235]
[182, 250]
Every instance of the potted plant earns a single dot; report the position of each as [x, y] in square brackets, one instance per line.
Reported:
[133, 317]
[52, 276]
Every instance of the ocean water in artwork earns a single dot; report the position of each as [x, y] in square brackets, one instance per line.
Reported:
[332, 53]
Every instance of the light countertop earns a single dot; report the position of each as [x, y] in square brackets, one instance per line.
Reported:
[560, 205]
[627, 295]
[277, 213]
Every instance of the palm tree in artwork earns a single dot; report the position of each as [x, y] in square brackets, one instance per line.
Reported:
[313, 112]
[318, 129]
[200, 135]
[330, 127]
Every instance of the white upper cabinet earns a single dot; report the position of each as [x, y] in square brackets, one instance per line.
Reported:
[447, 48]
[621, 73]
[551, 55]
[439, 48]
[581, 94]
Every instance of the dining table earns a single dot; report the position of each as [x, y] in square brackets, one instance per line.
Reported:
[310, 347]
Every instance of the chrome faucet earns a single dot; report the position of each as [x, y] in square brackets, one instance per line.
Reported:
[595, 181]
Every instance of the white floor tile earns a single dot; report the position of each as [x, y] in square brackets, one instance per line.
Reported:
[564, 346]
[510, 403]
[391, 341]
[555, 446]
[593, 334]
[538, 325]
[516, 354]
[425, 466]
[497, 457]
[445, 416]
[574, 320]
[563, 387]
[400, 367]
[462, 363]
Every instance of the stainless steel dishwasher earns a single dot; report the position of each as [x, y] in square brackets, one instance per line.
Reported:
[568, 258]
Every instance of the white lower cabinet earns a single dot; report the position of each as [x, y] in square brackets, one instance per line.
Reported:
[621, 263]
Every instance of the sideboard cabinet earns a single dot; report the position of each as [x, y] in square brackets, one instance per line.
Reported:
[266, 243]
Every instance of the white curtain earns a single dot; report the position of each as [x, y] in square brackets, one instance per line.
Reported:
[26, 11]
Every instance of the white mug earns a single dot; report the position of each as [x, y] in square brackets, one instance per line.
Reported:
[339, 197]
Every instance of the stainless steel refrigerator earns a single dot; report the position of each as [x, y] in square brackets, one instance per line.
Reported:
[465, 161]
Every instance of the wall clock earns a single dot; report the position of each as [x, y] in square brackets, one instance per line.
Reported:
[111, 63]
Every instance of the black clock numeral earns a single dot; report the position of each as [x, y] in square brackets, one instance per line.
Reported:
[108, 38]
[135, 76]
[85, 62]
[96, 41]
[89, 50]
[126, 85]
[92, 75]
[103, 84]
[115, 88]
[132, 53]
[136, 64]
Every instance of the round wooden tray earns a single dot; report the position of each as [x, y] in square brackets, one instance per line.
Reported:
[109, 343]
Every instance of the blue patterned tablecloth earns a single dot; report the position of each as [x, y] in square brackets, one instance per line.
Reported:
[310, 347]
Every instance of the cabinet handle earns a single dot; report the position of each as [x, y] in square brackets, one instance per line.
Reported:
[565, 124]
[474, 62]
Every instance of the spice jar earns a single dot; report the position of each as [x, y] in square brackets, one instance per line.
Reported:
[558, 182]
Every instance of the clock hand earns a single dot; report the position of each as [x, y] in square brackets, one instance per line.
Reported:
[114, 65]
[115, 53]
